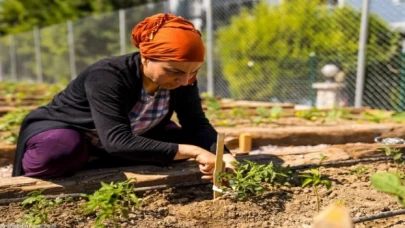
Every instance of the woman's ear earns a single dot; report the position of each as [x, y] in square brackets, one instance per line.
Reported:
[144, 61]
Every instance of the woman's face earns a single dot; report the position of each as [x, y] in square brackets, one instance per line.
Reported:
[170, 75]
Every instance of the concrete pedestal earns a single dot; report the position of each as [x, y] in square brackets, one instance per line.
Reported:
[328, 94]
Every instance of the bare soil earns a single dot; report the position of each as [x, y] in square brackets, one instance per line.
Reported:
[281, 207]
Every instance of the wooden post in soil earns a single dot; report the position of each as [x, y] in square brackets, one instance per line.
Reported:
[245, 143]
[219, 164]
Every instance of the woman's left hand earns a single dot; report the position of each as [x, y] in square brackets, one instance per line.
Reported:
[228, 160]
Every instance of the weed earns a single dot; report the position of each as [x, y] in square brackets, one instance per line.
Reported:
[38, 208]
[396, 155]
[376, 117]
[212, 104]
[111, 201]
[359, 171]
[315, 179]
[390, 183]
[311, 114]
[249, 179]
[336, 114]
[12, 119]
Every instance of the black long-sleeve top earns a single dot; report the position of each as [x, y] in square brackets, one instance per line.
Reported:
[100, 98]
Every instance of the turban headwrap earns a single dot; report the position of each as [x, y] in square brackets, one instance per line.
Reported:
[166, 37]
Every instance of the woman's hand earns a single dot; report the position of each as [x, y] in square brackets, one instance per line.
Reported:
[205, 159]
[228, 160]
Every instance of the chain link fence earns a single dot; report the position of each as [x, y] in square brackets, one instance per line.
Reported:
[268, 50]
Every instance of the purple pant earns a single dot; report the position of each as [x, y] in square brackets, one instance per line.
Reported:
[52, 153]
[63, 152]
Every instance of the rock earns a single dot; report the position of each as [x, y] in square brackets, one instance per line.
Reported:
[170, 220]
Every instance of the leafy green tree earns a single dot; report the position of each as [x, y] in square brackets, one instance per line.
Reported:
[22, 15]
[269, 45]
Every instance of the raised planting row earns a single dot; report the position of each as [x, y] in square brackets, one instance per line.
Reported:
[259, 194]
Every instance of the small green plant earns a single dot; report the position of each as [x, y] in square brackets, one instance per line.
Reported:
[315, 179]
[311, 114]
[9, 137]
[249, 179]
[38, 208]
[12, 119]
[212, 104]
[398, 117]
[239, 113]
[376, 117]
[336, 114]
[111, 201]
[389, 183]
[396, 155]
[276, 112]
[358, 171]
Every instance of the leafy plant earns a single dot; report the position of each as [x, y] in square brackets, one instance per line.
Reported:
[396, 155]
[315, 179]
[376, 117]
[111, 201]
[389, 183]
[12, 119]
[239, 112]
[398, 117]
[311, 114]
[336, 114]
[249, 179]
[212, 104]
[276, 112]
[38, 208]
[359, 171]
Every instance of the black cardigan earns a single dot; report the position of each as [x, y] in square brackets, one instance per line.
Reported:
[100, 98]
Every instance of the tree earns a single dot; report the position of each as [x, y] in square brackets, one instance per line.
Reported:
[266, 46]
[18, 16]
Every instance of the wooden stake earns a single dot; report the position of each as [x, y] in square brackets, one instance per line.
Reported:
[245, 143]
[219, 164]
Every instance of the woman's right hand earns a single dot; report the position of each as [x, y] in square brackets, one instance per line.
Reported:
[205, 159]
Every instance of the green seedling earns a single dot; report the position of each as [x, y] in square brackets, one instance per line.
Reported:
[12, 119]
[9, 137]
[358, 171]
[239, 113]
[212, 104]
[38, 208]
[389, 183]
[336, 114]
[398, 117]
[312, 114]
[111, 202]
[376, 117]
[315, 179]
[276, 112]
[249, 179]
[396, 155]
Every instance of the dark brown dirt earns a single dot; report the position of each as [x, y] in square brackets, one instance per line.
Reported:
[283, 207]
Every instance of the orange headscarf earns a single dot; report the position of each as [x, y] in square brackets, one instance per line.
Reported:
[166, 37]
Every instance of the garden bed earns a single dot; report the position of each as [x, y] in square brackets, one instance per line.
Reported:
[193, 206]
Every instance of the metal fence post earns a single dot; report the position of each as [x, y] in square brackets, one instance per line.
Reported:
[402, 84]
[122, 31]
[37, 43]
[210, 61]
[13, 59]
[312, 76]
[71, 41]
[361, 61]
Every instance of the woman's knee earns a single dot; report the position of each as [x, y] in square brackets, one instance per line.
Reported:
[55, 151]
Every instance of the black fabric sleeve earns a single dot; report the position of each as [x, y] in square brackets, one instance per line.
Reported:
[192, 119]
[108, 95]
